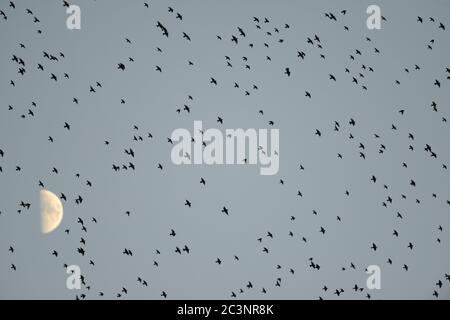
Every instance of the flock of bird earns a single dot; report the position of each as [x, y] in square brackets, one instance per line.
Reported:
[357, 71]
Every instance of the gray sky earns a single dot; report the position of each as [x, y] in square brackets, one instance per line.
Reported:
[257, 204]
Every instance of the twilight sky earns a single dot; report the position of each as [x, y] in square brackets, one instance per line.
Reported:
[257, 204]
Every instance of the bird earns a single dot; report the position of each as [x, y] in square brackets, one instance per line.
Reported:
[81, 251]
[127, 252]
[164, 30]
[186, 36]
[287, 72]
[79, 200]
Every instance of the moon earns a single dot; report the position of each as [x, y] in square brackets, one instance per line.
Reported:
[51, 211]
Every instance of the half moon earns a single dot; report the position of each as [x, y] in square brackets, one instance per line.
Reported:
[51, 211]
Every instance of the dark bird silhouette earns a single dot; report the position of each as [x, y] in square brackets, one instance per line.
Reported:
[164, 30]
[287, 72]
[186, 36]
[81, 251]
